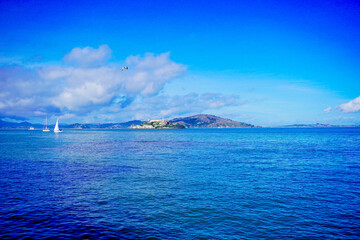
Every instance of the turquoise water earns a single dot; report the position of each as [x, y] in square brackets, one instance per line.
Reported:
[180, 184]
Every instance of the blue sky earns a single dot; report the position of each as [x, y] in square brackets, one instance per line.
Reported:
[264, 62]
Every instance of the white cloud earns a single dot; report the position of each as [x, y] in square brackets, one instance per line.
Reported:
[350, 107]
[327, 110]
[85, 87]
[88, 56]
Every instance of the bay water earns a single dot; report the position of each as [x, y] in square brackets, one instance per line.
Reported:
[262, 183]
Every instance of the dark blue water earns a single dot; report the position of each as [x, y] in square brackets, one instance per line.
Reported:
[181, 184]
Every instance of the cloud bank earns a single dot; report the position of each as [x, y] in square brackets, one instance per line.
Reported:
[86, 84]
[350, 107]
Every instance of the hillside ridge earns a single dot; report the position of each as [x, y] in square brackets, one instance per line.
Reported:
[209, 121]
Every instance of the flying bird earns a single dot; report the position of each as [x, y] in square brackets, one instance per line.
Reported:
[123, 68]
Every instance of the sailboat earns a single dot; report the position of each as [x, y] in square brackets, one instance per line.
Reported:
[56, 129]
[46, 129]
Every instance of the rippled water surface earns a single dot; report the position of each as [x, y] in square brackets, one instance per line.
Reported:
[180, 184]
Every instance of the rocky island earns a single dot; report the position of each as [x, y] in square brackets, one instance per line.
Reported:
[209, 121]
[157, 124]
[196, 121]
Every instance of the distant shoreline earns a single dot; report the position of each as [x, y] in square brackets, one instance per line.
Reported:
[199, 121]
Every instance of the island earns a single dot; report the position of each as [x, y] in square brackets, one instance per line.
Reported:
[157, 124]
[209, 121]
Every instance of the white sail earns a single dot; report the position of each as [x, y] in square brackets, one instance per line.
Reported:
[46, 128]
[56, 129]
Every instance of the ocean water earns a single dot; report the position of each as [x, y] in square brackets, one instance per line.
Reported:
[180, 184]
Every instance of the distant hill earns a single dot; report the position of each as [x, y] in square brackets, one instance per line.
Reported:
[121, 125]
[319, 125]
[21, 125]
[26, 125]
[209, 121]
[104, 125]
[196, 121]
[76, 126]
